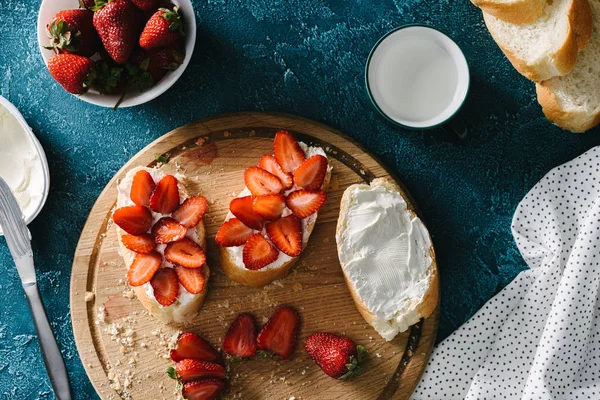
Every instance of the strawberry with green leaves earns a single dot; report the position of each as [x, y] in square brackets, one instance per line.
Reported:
[336, 355]
[72, 31]
[118, 24]
[74, 73]
[163, 28]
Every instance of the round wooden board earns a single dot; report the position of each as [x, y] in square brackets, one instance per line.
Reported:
[213, 154]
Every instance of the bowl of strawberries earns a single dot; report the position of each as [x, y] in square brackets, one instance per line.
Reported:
[116, 53]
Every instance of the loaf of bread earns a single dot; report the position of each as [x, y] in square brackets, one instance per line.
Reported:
[513, 11]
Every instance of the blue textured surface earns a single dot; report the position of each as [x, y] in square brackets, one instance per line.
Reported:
[304, 57]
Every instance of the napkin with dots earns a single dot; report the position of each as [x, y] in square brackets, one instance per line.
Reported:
[539, 338]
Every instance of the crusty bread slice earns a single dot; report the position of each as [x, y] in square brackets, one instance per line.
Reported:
[517, 12]
[176, 312]
[414, 308]
[573, 101]
[549, 46]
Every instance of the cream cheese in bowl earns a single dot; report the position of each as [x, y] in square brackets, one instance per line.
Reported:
[23, 162]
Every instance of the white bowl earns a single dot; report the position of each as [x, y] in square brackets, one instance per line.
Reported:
[41, 154]
[50, 7]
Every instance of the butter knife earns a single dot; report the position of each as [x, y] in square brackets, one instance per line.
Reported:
[19, 244]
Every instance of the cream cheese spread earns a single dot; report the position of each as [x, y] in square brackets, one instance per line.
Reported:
[384, 250]
[20, 164]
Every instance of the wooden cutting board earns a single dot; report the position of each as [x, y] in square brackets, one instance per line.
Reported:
[127, 350]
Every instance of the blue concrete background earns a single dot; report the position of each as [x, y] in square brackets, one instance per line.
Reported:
[304, 57]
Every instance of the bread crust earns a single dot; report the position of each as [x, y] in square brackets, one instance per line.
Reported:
[175, 313]
[519, 12]
[430, 299]
[563, 60]
[576, 121]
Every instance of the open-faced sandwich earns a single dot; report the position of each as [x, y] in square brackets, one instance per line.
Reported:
[387, 257]
[162, 240]
[270, 222]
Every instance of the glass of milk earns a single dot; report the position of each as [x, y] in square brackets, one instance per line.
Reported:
[417, 77]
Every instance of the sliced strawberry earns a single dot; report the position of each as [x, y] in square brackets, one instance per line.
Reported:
[192, 279]
[190, 345]
[269, 206]
[311, 174]
[165, 198]
[286, 234]
[243, 209]
[203, 389]
[270, 164]
[134, 220]
[166, 286]
[191, 370]
[240, 340]
[258, 252]
[288, 152]
[140, 244]
[304, 203]
[191, 211]
[233, 232]
[142, 187]
[143, 268]
[279, 334]
[261, 182]
[167, 230]
[185, 252]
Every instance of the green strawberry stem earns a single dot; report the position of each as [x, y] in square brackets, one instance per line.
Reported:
[355, 362]
[61, 37]
[174, 19]
[139, 78]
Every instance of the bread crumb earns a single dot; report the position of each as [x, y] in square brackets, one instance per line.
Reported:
[89, 296]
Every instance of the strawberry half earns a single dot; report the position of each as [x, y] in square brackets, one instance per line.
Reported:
[304, 203]
[167, 230]
[166, 286]
[140, 244]
[142, 187]
[203, 389]
[233, 232]
[191, 370]
[279, 334]
[270, 164]
[258, 252]
[135, 220]
[286, 234]
[336, 355]
[240, 340]
[191, 211]
[192, 279]
[143, 268]
[243, 209]
[185, 252]
[261, 182]
[190, 345]
[269, 206]
[311, 174]
[288, 152]
[165, 198]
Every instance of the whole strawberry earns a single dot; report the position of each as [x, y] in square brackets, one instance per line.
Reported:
[145, 5]
[117, 23]
[336, 355]
[72, 31]
[75, 73]
[163, 28]
[160, 60]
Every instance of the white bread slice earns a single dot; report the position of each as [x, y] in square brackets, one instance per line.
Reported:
[517, 12]
[388, 294]
[187, 305]
[549, 46]
[573, 101]
[231, 260]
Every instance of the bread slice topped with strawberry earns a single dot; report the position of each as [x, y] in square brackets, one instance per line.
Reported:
[162, 241]
[271, 220]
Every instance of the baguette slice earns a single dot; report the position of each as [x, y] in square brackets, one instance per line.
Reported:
[549, 46]
[516, 12]
[387, 257]
[231, 259]
[187, 304]
[573, 101]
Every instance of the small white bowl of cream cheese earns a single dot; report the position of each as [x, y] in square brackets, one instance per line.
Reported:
[23, 163]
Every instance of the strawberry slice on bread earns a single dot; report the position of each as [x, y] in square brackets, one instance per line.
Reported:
[162, 240]
[271, 220]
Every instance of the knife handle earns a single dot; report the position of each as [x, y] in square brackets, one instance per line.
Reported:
[55, 365]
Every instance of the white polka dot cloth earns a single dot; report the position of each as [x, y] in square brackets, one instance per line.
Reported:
[539, 338]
